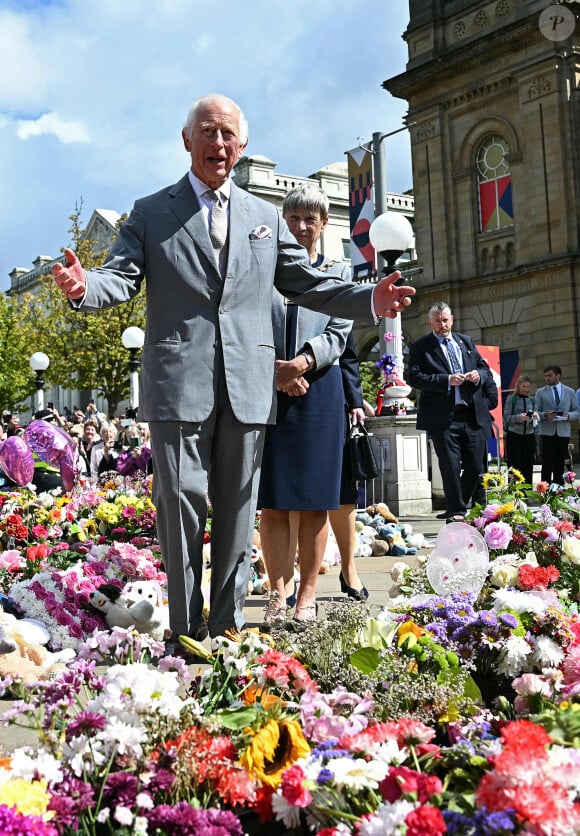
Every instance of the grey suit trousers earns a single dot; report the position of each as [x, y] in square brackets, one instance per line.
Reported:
[188, 459]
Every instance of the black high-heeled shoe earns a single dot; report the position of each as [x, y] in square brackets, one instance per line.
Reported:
[355, 594]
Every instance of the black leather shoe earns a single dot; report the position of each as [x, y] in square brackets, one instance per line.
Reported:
[442, 516]
[201, 632]
[173, 647]
[355, 594]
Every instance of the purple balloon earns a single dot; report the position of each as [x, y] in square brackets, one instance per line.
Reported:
[50, 443]
[16, 460]
[67, 474]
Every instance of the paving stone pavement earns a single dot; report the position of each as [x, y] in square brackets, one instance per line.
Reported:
[373, 571]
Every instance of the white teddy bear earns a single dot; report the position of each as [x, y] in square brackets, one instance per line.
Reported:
[119, 611]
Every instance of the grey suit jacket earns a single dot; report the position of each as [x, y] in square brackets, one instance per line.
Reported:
[545, 402]
[325, 335]
[193, 316]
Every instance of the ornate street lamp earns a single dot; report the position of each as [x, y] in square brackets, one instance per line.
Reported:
[39, 363]
[132, 339]
[391, 234]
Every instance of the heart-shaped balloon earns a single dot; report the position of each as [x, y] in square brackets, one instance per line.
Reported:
[50, 443]
[67, 474]
[460, 560]
[16, 460]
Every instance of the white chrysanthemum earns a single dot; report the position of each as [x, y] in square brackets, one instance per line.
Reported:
[547, 653]
[514, 658]
[356, 773]
[139, 688]
[387, 751]
[388, 819]
[83, 753]
[235, 667]
[287, 813]
[121, 737]
[31, 764]
[123, 815]
[520, 602]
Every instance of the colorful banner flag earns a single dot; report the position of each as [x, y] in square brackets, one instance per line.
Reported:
[362, 211]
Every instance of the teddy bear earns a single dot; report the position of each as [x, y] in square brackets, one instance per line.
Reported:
[257, 579]
[27, 662]
[111, 603]
[148, 591]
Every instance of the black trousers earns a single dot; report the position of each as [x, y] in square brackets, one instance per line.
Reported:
[521, 450]
[460, 450]
[554, 452]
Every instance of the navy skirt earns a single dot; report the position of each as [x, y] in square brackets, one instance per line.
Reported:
[303, 451]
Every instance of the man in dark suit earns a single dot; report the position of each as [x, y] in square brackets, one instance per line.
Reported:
[211, 255]
[450, 374]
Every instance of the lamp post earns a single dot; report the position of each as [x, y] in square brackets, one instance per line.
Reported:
[39, 363]
[132, 339]
[391, 234]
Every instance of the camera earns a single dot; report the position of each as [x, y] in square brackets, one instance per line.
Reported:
[530, 413]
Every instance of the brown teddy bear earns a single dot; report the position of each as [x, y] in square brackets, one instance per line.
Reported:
[25, 662]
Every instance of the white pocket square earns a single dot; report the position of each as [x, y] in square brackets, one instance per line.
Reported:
[260, 232]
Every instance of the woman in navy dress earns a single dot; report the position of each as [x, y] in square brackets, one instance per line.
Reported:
[301, 467]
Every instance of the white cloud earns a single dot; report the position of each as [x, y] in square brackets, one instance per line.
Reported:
[51, 123]
[24, 68]
[113, 82]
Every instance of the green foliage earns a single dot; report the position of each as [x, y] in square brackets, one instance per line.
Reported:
[85, 349]
[371, 380]
[16, 376]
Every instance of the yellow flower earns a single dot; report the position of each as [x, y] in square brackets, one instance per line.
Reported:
[30, 798]
[492, 480]
[408, 634]
[505, 509]
[274, 748]
[517, 476]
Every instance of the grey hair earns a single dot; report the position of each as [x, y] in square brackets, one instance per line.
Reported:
[306, 198]
[438, 307]
[212, 98]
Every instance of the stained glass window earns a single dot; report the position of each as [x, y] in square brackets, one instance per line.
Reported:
[495, 185]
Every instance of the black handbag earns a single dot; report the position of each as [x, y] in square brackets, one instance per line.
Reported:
[363, 461]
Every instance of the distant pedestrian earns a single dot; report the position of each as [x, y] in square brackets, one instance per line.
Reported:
[556, 406]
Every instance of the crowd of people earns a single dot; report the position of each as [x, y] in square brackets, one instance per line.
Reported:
[117, 444]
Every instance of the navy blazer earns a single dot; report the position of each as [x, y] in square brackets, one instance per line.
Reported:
[429, 372]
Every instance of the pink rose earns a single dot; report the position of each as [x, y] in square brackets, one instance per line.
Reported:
[498, 535]
[11, 560]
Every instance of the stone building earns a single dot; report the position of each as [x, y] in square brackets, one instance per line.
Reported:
[494, 118]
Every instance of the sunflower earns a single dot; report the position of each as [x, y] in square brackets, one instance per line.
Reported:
[274, 748]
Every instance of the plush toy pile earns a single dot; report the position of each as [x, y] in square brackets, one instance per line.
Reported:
[380, 533]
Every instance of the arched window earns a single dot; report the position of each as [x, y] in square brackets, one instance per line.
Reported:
[494, 185]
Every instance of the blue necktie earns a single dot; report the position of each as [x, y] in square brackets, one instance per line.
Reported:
[452, 355]
[556, 395]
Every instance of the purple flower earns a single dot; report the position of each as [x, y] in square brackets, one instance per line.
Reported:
[508, 619]
[498, 535]
[13, 823]
[184, 820]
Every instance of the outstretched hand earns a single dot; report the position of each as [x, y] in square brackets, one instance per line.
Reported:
[71, 279]
[390, 299]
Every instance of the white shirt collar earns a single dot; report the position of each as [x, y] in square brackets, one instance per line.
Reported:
[199, 187]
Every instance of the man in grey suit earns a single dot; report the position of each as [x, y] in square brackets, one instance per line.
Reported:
[207, 381]
[557, 406]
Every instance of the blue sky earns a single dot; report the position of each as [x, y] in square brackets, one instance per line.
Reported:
[93, 95]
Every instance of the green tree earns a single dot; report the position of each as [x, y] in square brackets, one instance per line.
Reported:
[85, 349]
[16, 376]
[371, 380]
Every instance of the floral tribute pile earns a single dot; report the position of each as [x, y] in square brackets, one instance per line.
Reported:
[455, 713]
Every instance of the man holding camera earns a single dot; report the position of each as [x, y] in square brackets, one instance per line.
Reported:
[556, 406]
